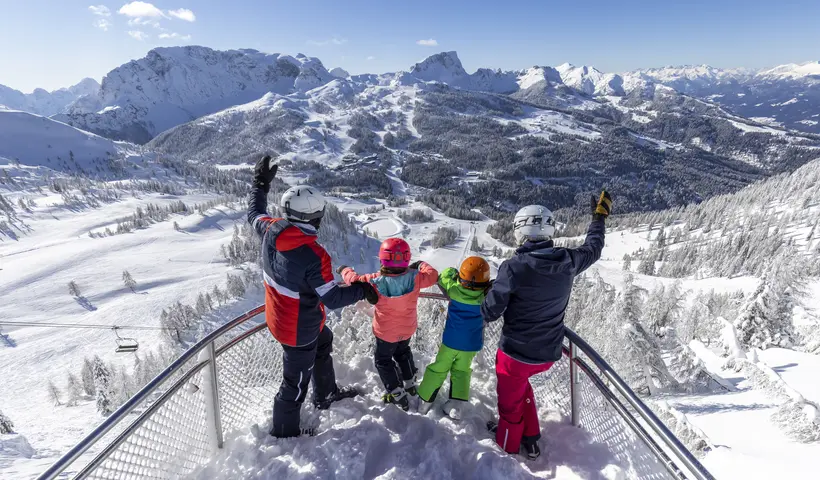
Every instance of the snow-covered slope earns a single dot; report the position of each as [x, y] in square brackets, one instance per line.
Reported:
[39, 141]
[174, 85]
[46, 103]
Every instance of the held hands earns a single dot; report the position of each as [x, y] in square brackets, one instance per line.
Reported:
[341, 269]
[264, 172]
[370, 293]
[603, 206]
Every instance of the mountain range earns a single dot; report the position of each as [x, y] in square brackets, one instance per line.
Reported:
[491, 139]
[170, 86]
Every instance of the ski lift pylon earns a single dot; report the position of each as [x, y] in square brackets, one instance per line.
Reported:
[125, 344]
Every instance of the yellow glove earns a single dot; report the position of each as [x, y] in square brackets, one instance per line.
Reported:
[604, 205]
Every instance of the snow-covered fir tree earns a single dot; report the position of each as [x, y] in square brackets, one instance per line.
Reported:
[74, 389]
[103, 386]
[87, 376]
[765, 319]
[53, 393]
[128, 280]
[6, 425]
[642, 359]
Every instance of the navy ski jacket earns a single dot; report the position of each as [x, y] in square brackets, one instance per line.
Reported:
[532, 291]
[298, 276]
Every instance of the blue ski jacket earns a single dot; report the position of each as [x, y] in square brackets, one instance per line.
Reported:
[532, 291]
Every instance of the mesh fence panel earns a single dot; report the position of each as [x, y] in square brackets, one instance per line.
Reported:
[172, 441]
[248, 376]
[178, 437]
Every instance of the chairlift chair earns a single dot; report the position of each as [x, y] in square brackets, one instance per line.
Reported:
[125, 344]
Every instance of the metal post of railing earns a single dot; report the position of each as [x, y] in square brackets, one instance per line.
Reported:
[574, 385]
[212, 395]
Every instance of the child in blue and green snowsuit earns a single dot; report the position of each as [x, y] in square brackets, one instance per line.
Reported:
[463, 335]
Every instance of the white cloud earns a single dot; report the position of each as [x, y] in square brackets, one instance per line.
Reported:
[428, 43]
[102, 24]
[174, 36]
[371, 57]
[140, 9]
[139, 21]
[183, 14]
[138, 35]
[324, 43]
[100, 10]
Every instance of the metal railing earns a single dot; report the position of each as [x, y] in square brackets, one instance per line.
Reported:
[229, 377]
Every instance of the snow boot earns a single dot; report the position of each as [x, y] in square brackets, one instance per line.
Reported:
[425, 407]
[530, 446]
[452, 408]
[410, 386]
[338, 394]
[397, 397]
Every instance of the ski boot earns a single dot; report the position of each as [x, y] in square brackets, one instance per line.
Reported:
[452, 408]
[338, 394]
[397, 397]
[425, 407]
[410, 386]
[530, 447]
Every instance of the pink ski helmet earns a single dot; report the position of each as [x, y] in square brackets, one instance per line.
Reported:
[394, 253]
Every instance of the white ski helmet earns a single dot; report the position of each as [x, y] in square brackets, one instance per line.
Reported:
[303, 203]
[534, 223]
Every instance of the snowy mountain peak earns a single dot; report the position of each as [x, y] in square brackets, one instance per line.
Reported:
[174, 85]
[793, 70]
[46, 103]
[339, 72]
[442, 67]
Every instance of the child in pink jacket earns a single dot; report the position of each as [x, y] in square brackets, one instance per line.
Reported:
[398, 284]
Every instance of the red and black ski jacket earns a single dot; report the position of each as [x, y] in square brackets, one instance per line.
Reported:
[298, 276]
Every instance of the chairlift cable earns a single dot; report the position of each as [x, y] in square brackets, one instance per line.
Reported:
[88, 326]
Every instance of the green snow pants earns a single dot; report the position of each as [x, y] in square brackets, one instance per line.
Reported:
[457, 363]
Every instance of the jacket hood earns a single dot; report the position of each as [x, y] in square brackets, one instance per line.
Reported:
[465, 295]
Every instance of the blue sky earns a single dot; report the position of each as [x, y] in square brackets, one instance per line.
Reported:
[55, 43]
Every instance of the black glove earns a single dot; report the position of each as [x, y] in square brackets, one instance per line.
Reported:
[370, 293]
[603, 206]
[415, 265]
[264, 173]
[341, 267]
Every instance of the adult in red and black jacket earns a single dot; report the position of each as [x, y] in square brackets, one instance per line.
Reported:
[299, 284]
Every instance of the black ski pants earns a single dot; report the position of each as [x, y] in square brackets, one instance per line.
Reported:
[394, 362]
[300, 366]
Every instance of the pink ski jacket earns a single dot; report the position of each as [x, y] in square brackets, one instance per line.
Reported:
[395, 318]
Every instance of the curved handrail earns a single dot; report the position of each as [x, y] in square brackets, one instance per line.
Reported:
[140, 396]
[669, 439]
[677, 449]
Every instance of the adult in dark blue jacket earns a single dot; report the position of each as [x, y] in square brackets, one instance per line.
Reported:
[531, 291]
[299, 283]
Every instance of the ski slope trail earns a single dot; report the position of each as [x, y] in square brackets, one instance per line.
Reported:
[363, 438]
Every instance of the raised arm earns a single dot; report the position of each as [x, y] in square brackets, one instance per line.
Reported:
[258, 216]
[584, 256]
[497, 299]
[448, 279]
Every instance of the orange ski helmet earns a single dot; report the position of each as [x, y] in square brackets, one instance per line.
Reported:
[474, 273]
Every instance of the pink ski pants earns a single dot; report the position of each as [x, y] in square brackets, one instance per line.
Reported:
[518, 415]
